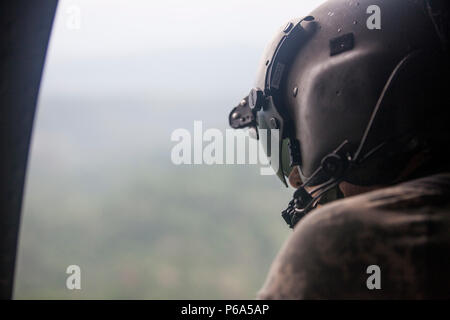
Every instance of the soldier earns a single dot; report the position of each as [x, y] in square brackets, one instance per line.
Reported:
[358, 93]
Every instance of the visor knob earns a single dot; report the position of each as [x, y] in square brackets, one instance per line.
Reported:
[256, 99]
[235, 115]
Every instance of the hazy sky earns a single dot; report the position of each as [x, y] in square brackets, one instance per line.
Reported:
[151, 47]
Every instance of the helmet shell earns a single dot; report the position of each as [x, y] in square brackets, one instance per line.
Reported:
[336, 92]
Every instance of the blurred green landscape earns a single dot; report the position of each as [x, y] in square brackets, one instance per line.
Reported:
[138, 226]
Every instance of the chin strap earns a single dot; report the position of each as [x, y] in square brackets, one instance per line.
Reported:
[334, 165]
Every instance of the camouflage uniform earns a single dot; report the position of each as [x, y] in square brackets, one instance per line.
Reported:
[403, 229]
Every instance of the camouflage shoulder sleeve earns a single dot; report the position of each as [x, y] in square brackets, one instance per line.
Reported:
[402, 230]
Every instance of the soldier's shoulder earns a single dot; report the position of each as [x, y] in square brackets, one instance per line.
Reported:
[330, 249]
[312, 262]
